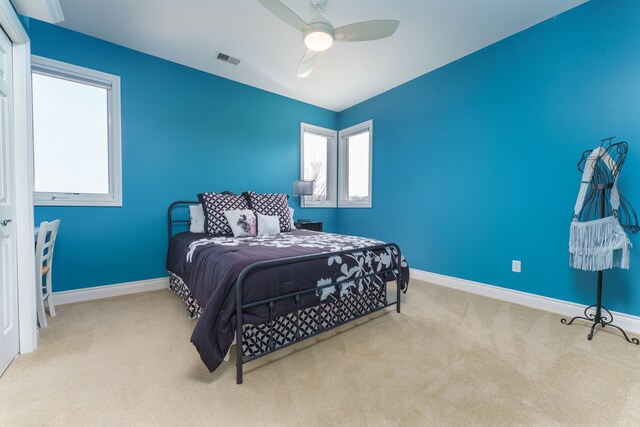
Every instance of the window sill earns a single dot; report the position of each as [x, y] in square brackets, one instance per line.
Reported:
[71, 202]
[347, 205]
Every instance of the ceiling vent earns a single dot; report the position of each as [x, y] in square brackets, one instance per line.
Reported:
[226, 58]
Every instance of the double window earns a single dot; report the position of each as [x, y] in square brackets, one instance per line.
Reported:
[354, 174]
[340, 163]
[318, 163]
[76, 135]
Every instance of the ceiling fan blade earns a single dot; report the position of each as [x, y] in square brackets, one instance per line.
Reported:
[366, 30]
[307, 63]
[280, 10]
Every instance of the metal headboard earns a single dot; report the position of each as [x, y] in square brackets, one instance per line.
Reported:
[171, 222]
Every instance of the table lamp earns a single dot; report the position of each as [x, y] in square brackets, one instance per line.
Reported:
[302, 188]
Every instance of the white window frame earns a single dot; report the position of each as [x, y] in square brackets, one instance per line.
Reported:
[332, 168]
[343, 168]
[110, 82]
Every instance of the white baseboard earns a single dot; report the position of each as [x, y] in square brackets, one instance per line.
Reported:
[625, 321]
[107, 291]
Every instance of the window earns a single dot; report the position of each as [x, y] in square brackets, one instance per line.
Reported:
[318, 162]
[354, 173]
[76, 135]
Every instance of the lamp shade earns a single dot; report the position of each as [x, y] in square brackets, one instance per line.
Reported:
[303, 187]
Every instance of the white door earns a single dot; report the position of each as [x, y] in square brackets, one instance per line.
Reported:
[9, 338]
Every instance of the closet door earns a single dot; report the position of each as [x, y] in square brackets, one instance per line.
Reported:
[9, 338]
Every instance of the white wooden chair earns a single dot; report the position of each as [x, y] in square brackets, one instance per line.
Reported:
[44, 264]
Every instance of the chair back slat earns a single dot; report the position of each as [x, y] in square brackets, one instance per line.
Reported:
[46, 244]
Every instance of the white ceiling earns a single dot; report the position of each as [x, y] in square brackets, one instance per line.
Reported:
[44, 10]
[431, 34]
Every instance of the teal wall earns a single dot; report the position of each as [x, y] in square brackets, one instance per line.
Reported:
[183, 132]
[475, 163]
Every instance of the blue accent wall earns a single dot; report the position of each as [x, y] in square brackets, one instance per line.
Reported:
[475, 163]
[183, 132]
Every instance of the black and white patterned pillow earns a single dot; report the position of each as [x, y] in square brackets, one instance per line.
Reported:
[271, 204]
[214, 206]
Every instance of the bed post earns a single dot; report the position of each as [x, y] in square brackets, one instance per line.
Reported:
[398, 280]
[398, 292]
[239, 331]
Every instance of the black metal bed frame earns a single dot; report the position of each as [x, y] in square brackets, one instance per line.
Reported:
[272, 346]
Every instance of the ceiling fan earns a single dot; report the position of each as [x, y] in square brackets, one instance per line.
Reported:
[319, 35]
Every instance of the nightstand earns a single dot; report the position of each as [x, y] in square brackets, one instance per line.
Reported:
[313, 226]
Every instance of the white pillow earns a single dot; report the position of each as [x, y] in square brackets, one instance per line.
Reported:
[242, 222]
[293, 222]
[197, 219]
[268, 225]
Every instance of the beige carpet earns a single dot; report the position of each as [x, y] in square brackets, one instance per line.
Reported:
[449, 359]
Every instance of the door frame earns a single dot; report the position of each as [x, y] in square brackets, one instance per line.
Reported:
[22, 136]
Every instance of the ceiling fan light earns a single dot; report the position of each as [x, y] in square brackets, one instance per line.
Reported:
[318, 41]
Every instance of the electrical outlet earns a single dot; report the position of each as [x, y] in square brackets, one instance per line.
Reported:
[516, 266]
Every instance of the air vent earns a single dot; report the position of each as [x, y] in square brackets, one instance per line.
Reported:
[226, 58]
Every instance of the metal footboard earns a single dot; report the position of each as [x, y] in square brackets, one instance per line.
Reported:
[368, 306]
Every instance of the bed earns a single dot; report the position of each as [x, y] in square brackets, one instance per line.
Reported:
[268, 292]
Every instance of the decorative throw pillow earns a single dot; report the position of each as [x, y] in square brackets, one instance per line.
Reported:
[214, 205]
[268, 225]
[276, 204]
[242, 222]
[196, 215]
[293, 222]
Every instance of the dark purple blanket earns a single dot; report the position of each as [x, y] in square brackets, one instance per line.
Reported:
[210, 266]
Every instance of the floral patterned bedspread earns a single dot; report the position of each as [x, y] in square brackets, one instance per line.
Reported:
[210, 266]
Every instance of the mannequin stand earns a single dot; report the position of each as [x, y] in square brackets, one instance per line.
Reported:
[598, 318]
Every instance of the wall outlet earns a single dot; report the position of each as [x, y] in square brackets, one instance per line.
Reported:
[516, 266]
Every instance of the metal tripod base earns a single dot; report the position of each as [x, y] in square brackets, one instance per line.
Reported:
[598, 319]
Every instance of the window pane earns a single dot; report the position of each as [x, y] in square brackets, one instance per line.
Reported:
[71, 137]
[315, 164]
[358, 155]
